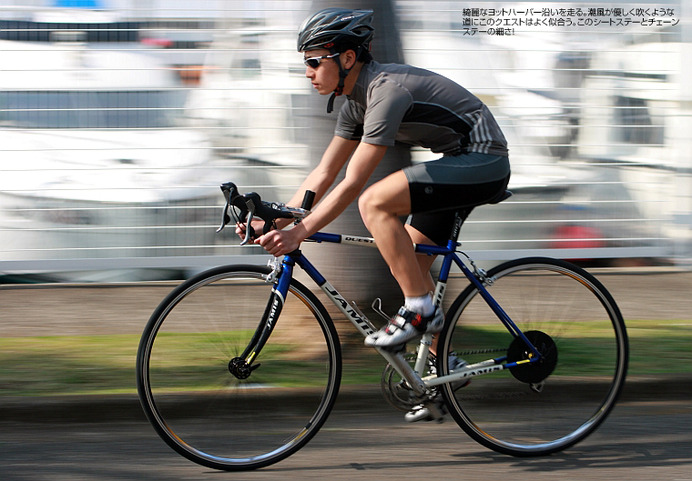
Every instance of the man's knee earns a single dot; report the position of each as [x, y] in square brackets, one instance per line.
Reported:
[366, 204]
[388, 197]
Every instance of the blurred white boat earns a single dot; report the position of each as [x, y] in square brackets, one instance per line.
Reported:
[637, 118]
[95, 159]
[252, 95]
[559, 202]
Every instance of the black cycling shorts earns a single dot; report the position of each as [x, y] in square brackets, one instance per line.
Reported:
[441, 187]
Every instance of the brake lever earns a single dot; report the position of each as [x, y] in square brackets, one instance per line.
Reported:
[249, 231]
[225, 218]
[226, 189]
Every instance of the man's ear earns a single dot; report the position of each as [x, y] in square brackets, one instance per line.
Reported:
[349, 58]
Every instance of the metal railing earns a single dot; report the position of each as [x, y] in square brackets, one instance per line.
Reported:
[117, 128]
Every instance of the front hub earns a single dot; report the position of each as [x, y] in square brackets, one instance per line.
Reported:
[239, 368]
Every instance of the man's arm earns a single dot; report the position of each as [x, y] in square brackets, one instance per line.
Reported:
[319, 180]
[322, 177]
[361, 166]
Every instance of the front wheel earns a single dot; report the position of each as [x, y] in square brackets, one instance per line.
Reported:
[206, 407]
[540, 407]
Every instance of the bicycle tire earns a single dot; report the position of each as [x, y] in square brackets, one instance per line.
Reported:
[548, 406]
[204, 412]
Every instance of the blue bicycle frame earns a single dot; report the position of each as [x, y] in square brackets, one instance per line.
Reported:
[283, 273]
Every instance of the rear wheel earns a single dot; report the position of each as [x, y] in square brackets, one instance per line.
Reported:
[542, 407]
[217, 411]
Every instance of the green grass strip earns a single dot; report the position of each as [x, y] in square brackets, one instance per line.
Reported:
[83, 365]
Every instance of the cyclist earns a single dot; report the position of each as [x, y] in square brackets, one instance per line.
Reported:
[388, 103]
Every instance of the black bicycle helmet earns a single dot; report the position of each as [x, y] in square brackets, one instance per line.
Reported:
[337, 30]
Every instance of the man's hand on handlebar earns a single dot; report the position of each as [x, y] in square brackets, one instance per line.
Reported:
[280, 242]
[257, 226]
[270, 219]
[275, 242]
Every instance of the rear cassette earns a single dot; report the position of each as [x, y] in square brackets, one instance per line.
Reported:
[535, 372]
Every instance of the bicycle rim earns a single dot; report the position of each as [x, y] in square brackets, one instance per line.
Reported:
[207, 414]
[548, 406]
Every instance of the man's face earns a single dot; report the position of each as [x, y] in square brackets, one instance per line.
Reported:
[325, 76]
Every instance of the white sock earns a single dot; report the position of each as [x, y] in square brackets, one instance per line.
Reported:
[423, 305]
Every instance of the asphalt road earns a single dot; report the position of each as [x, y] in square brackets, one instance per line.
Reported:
[646, 438]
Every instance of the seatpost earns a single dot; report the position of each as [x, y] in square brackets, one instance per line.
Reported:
[459, 218]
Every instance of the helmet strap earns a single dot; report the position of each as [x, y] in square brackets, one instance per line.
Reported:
[330, 104]
[339, 90]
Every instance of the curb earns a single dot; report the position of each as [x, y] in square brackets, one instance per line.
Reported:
[126, 407]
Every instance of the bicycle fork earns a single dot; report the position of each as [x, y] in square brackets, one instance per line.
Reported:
[242, 366]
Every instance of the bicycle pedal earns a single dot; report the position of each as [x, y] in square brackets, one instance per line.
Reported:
[394, 349]
[429, 411]
[437, 412]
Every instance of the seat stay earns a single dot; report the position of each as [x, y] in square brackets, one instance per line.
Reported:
[479, 283]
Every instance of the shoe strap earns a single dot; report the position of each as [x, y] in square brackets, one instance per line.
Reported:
[415, 319]
[397, 322]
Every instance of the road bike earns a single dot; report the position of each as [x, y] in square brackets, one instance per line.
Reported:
[240, 366]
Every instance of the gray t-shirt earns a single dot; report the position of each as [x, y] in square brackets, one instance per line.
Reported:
[392, 102]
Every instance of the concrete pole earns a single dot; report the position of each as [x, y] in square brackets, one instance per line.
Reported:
[358, 273]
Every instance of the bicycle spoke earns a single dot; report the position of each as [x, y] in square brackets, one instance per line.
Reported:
[551, 404]
[220, 416]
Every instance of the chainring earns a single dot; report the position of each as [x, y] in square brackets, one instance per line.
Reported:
[397, 392]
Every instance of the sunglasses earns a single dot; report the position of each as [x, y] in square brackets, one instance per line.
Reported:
[314, 62]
